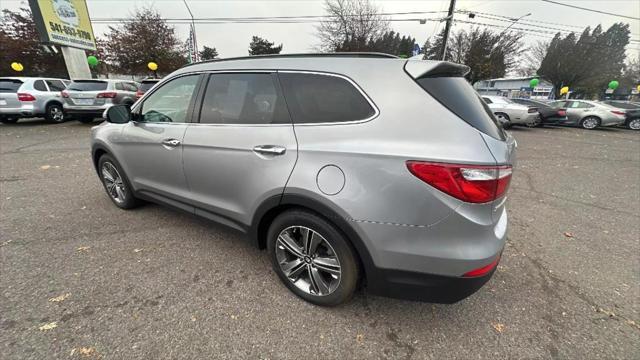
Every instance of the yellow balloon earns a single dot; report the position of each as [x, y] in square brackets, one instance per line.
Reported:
[152, 66]
[17, 66]
[564, 90]
[638, 88]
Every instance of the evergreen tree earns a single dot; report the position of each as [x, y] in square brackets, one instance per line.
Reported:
[260, 46]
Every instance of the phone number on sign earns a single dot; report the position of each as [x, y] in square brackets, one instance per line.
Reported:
[68, 30]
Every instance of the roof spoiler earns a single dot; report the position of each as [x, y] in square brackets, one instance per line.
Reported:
[424, 68]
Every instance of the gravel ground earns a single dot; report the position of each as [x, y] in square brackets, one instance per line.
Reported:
[154, 283]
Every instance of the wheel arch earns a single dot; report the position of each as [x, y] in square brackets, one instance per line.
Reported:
[96, 152]
[276, 205]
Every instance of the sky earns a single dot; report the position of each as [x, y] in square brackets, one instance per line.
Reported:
[233, 39]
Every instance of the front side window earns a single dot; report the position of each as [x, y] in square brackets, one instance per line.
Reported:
[242, 98]
[170, 102]
[40, 86]
[316, 98]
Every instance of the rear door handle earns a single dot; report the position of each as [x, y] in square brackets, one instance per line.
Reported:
[170, 142]
[270, 149]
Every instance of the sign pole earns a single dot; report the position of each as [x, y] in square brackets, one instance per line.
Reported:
[76, 62]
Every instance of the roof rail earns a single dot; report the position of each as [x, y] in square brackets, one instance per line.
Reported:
[276, 56]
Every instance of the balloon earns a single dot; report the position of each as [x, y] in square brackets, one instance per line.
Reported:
[534, 82]
[638, 88]
[613, 84]
[92, 60]
[564, 90]
[152, 66]
[17, 66]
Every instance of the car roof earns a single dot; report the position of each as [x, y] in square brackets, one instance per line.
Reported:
[27, 78]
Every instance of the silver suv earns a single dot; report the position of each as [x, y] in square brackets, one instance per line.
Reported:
[349, 168]
[25, 97]
[88, 99]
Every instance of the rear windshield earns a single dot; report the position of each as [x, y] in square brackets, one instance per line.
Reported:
[622, 105]
[457, 95]
[88, 86]
[10, 85]
[146, 85]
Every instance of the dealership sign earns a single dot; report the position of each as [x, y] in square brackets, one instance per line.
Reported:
[64, 22]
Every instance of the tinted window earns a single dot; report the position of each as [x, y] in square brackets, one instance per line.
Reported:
[88, 85]
[457, 95]
[242, 99]
[622, 105]
[55, 85]
[487, 100]
[146, 85]
[559, 104]
[10, 85]
[170, 102]
[580, 105]
[40, 86]
[119, 86]
[131, 87]
[314, 98]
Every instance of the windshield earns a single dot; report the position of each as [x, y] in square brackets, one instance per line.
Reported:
[10, 85]
[88, 86]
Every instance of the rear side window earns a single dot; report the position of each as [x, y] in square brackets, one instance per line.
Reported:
[131, 87]
[457, 95]
[55, 85]
[88, 85]
[243, 99]
[10, 85]
[119, 86]
[316, 98]
[40, 86]
[146, 85]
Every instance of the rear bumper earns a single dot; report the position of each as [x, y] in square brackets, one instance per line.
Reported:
[425, 287]
[555, 120]
[612, 121]
[27, 110]
[96, 111]
[527, 118]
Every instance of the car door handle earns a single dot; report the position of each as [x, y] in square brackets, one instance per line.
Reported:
[270, 149]
[171, 142]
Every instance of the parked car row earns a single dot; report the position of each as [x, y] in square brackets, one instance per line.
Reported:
[582, 113]
[58, 100]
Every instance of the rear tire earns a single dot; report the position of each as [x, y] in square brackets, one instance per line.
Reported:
[54, 114]
[324, 271]
[634, 124]
[590, 122]
[116, 183]
[503, 119]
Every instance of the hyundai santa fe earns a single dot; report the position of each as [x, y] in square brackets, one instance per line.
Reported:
[350, 169]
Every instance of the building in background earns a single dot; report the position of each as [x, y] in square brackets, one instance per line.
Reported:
[515, 88]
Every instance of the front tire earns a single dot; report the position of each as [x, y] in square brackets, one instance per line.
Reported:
[312, 258]
[116, 183]
[634, 124]
[54, 114]
[590, 122]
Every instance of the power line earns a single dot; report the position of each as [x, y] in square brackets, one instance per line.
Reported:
[521, 21]
[592, 10]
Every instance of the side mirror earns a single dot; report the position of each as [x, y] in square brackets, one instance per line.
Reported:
[118, 114]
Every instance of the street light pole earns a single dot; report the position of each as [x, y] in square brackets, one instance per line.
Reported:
[513, 23]
[452, 6]
[193, 32]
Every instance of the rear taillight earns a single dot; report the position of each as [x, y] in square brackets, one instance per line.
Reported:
[107, 95]
[532, 110]
[26, 97]
[470, 183]
[139, 94]
[483, 270]
[618, 112]
[64, 94]
[562, 112]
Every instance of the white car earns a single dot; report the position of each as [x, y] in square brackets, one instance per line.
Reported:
[509, 113]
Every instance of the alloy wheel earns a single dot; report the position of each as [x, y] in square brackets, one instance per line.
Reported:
[590, 123]
[113, 182]
[634, 124]
[308, 260]
[56, 114]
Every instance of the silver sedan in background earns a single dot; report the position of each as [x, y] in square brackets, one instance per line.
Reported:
[509, 113]
[590, 114]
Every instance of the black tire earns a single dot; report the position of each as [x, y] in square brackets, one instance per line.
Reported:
[85, 119]
[587, 122]
[8, 120]
[127, 199]
[633, 124]
[506, 124]
[54, 114]
[348, 264]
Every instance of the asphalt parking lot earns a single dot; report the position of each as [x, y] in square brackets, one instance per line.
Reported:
[81, 278]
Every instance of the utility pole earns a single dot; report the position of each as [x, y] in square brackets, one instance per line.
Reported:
[193, 32]
[452, 6]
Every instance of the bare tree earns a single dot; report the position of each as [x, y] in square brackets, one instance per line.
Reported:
[350, 26]
[532, 58]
